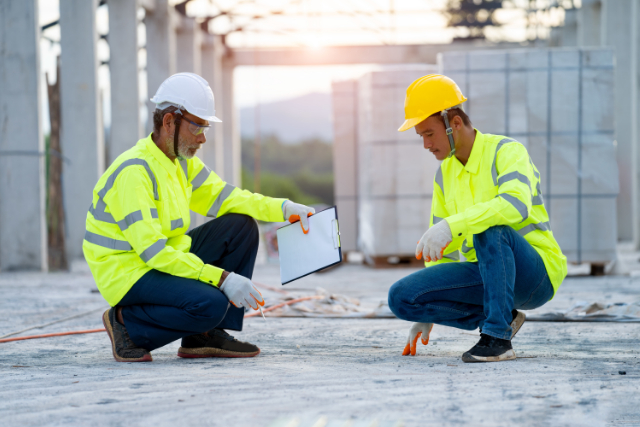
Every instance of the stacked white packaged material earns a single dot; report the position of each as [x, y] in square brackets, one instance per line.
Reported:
[395, 172]
[559, 104]
[344, 161]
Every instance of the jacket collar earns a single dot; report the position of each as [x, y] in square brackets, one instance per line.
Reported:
[476, 153]
[159, 155]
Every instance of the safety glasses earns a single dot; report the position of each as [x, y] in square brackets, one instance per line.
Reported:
[197, 129]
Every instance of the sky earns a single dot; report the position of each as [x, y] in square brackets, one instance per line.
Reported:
[299, 23]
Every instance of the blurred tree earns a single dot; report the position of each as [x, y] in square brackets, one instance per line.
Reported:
[300, 172]
[475, 15]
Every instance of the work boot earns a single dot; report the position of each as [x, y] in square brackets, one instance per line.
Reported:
[490, 349]
[215, 343]
[518, 319]
[124, 349]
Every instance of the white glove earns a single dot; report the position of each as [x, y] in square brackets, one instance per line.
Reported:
[416, 331]
[241, 291]
[433, 243]
[297, 212]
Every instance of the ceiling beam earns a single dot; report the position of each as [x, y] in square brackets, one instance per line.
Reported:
[342, 55]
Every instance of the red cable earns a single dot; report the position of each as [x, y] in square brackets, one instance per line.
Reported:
[57, 334]
[91, 331]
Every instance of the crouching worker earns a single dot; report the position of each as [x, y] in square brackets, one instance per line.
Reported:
[488, 205]
[162, 282]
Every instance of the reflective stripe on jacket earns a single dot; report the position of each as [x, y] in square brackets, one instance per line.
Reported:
[141, 211]
[499, 185]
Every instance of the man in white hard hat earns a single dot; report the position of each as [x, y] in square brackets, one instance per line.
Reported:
[162, 282]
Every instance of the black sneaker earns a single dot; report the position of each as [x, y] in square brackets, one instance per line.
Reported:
[215, 343]
[517, 322]
[124, 350]
[490, 349]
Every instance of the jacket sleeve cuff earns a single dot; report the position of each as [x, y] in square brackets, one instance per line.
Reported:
[210, 274]
[458, 225]
[276, 213]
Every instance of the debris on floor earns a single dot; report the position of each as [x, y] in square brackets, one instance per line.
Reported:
[328, 305]
[584, 311]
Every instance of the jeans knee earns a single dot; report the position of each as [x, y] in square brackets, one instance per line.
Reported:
[208, 311]
[243, 225]
[397, 301]
[491, 234]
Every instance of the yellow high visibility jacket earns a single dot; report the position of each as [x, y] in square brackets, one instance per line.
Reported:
[499, 185]
[140, 213]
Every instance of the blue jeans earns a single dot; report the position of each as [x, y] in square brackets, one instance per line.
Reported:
[161, 308]
[509, 274]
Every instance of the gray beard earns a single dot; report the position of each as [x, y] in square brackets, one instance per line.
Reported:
[183, 149]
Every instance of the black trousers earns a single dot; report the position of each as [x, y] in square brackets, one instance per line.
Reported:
[161, 308]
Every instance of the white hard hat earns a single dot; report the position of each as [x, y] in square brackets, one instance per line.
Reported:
[187, 91]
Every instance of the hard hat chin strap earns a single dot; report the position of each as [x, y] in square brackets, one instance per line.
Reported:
[452, 144]
[177, 121]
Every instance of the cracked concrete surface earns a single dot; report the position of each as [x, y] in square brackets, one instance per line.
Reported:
[317, 371]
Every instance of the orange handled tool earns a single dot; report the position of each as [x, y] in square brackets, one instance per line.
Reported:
[295, 218]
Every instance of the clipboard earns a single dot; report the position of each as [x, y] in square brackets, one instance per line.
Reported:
[304, 254]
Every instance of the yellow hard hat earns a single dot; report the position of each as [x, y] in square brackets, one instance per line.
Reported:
[429, 95]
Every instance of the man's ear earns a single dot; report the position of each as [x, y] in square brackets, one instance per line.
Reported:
[167, 123]
[457, 123]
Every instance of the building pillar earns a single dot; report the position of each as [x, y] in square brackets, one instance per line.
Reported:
[615, 31]
[212, 71]
[589, 17]
[123, 68]
[189, 60]
[23, 237]
[634, 88]
[188, 41]
[345, 160]
[231, 136]
[161, 50]
[81, 134]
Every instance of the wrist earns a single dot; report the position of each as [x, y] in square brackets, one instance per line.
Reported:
[222, 277]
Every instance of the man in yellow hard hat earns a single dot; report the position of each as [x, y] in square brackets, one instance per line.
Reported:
[487, 204]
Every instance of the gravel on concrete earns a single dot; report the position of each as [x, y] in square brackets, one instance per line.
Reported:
[317, 372]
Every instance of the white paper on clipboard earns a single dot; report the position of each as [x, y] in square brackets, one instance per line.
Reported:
[302, 254]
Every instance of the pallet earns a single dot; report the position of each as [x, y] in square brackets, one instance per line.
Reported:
[389, 262]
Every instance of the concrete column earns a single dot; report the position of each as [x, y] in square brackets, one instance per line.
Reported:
[568, 33]
[123, 67]
[615, 32]
[345, 160]
[188, 41]
[635, 120]
[161, 49]
[81, 135]
[23, 234]
[589, 17]
[189, 60]
[231, 136]
[220, 51]
[211, 67]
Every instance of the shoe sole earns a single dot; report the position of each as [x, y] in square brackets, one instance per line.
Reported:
[517, 323]
[196, 353]
[107, 326]
[507, 355]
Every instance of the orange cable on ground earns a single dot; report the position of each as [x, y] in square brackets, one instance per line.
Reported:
[57, 334]
[90, 331]
[293, 301]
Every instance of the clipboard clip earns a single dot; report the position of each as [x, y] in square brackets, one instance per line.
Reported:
[336, 234]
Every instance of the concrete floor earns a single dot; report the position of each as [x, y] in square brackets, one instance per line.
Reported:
[317, 372]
